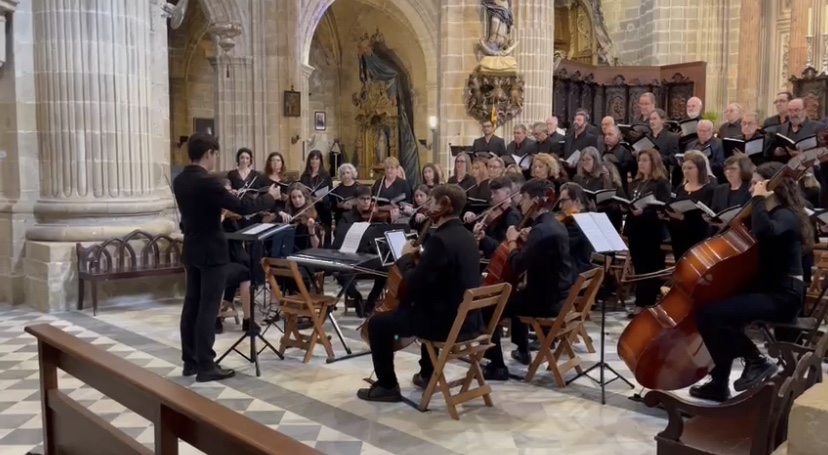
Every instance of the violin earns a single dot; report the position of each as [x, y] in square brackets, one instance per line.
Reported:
[228, 215]
[377, 214]
[565, 216]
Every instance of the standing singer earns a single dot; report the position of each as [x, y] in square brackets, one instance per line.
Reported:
[201, 197]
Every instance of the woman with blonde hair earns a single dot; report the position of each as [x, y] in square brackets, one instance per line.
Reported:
[462, 175]
[391, 187]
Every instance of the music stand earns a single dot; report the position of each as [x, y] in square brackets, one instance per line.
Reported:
[254, 235]
[604, 240]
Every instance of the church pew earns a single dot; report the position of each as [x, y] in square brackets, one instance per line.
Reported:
[175, 412]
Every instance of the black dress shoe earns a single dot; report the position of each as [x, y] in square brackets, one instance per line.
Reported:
[216, 374]
[189, 370]
[250, 327]
[757, 370]
[522, 357]
[420, 381]
[534, 345]
[219, 326]
[380, 394]
[712, 390]
[493, 373]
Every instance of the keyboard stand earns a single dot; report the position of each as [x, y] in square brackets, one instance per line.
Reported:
[349, 354]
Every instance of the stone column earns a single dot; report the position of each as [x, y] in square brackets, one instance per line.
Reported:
[798, 47]
[234, 108]
[748, 62]
[96, 115]
[306, 127]
[534, 31]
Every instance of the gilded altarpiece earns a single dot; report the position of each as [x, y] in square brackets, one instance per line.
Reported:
[378, 123]
[812, 87]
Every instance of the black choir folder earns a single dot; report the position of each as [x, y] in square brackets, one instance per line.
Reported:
[600, 232]
[638, 203]
[601, 196]
[725, 216]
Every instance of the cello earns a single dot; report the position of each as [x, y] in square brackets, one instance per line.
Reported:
[662, 345]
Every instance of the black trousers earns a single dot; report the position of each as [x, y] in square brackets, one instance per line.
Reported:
[519, 331]
[383, 328]
[236, 275]
[205, 286]
[721, 324]
[647, 257]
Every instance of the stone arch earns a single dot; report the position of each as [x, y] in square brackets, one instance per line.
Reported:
[229, 11]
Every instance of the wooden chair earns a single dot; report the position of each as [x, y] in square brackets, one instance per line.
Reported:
[807, 328]
[583, 305]
[746, 425]
[304, 304]
[470, 350]
[564, 328]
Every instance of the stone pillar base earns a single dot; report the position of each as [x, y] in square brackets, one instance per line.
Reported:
[51, 281]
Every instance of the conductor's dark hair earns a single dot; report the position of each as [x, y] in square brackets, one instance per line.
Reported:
[455, 194]
[242, 151]
[536, 187]
[199, 144]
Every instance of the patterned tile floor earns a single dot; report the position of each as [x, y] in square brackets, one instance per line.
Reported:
[315, 403]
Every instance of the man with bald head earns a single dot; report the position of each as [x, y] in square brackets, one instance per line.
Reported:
[798, 126]
[618, 154]
[732, 127]
[694, 108]
[711, 146]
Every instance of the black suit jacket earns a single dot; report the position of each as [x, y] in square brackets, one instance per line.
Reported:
[448, 267]
[495, 145]
[200, 198]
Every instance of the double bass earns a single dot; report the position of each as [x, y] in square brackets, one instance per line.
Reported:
[662, 345]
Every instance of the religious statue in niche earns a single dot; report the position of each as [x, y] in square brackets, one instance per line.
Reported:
[498, 45]
[381, 147]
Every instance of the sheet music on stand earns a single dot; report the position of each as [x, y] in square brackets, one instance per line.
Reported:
[353, 238]
[600, 232]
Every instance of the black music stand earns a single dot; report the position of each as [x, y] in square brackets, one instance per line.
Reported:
[604, 240]
[254, 236]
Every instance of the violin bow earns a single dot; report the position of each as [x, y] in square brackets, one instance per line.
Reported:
[311, 204]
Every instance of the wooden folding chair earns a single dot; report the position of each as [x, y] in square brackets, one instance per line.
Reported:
[470, 350]
[583, 305]
[304, 304]
[564, 328]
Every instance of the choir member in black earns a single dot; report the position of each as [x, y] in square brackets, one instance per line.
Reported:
[490, 232]
[391, 186]
[545, 262]
[238, 273]
[343, 197]
[620, 155]
[274, 171]
[496, 167]
[781, 103]
[545, 143]
[448, 267]
[244, 176]
[799, 126]
[613, 209]
[308, 233]
[462, 175]
[590, 174]
[319, 181]
[480, 191]
[735, 191]
[548, 167]
[782, 230]
[574, 200]
[419, 218]
[432, 175]
[750, 130]
[667, 144]
[646, 106]
[358, 213]
[554, 135]
[489, 142]
[201, 198]
[711, 147]
[644, 229]
[687, 229]
[578, 138]
[732, 127]
[694, 108]
[521, 146]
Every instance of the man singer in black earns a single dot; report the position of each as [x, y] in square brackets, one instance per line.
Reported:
[448, 267]
[201, 198]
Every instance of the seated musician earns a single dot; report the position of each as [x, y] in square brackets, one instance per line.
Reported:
[418, 219]
[782, 229]
[547, 271]
[307, 235]
[448, 267]
[361, 213]
[572, 200]
[491, 231]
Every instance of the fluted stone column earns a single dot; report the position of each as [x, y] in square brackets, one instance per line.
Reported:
[798, 47]
[535, 32]
[96, 113]
[234, 108]
[748, 63]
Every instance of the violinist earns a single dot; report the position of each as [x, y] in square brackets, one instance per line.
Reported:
[343, 197]
[363, 205]
[545, 264]
[418, 219]
[689, 228]
[448, 267]
[782, 230]
[644, 229]
[573, 200]
[491, 230]
[308, 233]
[317, 180]
[201, 197]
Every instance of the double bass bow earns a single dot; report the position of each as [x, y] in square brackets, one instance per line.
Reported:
[662, 345]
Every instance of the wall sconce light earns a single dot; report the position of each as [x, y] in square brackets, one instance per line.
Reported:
[432, 122]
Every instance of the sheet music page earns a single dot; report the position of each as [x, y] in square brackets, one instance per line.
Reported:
[600, 232]
[807, 144]
[258, 228]
[321, 191]
[754, 147]
[354, 237]
[683, 206]
[572, 161]
[688, 128]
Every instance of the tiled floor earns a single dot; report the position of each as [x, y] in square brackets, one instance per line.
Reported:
[315, 403]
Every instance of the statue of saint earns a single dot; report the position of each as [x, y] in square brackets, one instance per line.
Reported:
[381, 149]
[500, 23]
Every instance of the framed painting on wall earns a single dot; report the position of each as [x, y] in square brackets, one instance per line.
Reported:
[204, 125]
[293, 104]
[319, 121]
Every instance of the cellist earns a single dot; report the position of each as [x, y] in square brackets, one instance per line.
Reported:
[544, 263]
[782, 229]
[448, 267]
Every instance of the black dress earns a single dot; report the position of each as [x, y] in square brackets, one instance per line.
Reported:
[397, 188]
[645, 234]
[339, 194]
[692, 229]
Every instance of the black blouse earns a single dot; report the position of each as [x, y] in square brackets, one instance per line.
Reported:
[725, 198]
[398, 187]
[344, 192]
[323, 206]
[779, 236]
[647, 224]
[692, 229]
[237, 182]
[467, 182]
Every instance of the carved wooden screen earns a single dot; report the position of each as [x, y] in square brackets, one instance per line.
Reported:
[813, 89]
[676, 92]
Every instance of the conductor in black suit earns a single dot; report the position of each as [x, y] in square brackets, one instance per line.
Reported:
[201, 198]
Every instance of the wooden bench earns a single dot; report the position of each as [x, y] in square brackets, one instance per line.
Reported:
[118, 259]
[175, 412]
